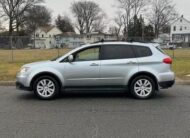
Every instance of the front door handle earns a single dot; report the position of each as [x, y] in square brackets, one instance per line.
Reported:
[94, 64]
[131, 63]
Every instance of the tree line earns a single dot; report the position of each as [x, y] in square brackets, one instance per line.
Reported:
[134, 18]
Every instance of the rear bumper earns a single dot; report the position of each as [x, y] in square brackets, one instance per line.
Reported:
[166, 84]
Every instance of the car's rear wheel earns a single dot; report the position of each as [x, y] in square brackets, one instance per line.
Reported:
[46, 88]
[143, 87]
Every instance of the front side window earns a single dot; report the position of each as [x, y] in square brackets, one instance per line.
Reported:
[111, 52]
[90, 54]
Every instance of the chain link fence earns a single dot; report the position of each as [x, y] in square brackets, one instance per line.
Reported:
[28, 49]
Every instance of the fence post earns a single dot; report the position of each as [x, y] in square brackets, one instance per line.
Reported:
[173, 53]
[12, 50]
[58, 52]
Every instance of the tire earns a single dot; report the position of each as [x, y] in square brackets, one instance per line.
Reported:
[143, 87]
[46, 88]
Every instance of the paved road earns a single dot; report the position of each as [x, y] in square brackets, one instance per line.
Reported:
[113, 115]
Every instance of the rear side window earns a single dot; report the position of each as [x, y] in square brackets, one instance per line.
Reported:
[110, 52]
[142, 51]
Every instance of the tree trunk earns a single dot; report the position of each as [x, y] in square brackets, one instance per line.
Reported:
[10, 27]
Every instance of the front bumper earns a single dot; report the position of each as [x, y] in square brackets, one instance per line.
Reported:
[22, 82]
[166, 84]
[22, 87]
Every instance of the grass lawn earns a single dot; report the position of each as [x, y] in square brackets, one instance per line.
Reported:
[181, 62]
[8, 69]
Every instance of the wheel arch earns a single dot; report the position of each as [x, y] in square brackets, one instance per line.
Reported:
[144, 73]
[45, 74]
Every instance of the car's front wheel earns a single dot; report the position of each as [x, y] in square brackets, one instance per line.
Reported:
[143, 87]
[46, 88]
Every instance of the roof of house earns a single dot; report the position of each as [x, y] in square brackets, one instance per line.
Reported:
[47, 28]
[182, 17]
[99, 33]
[69, 34]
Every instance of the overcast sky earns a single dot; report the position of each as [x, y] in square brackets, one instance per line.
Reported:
[109, 6]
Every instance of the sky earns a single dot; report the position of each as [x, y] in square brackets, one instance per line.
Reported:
[109, 6]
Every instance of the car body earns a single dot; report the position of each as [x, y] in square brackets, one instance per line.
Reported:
[171, 46]
[101, 66]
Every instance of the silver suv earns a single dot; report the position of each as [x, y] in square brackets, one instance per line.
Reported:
[140, 68]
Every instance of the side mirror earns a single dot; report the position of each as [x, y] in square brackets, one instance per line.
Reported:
[70, 58]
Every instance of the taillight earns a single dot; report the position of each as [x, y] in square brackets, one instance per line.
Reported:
[167, 60]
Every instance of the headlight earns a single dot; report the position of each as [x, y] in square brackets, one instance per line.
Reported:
[24, 70]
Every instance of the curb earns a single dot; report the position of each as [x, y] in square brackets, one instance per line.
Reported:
[7, 83]
[182, 82]
[12, 83]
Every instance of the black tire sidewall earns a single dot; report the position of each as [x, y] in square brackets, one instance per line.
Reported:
[143, 77]
[56, 88]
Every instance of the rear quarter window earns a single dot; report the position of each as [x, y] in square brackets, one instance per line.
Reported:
[142, 51]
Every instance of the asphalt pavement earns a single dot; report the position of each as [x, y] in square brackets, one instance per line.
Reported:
[95, 115]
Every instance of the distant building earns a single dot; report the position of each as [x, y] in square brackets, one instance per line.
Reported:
[97, 36]
[45, 37]
[180, 30]
[69, 39]
[73, 40]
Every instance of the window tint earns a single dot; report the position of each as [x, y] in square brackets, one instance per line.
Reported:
[88, 55]
[142, 51]
[117, 52]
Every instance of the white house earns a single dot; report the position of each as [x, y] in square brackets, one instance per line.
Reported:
[69, 39]
[97, 36]
[45, 37]
[180, 30]
[73, 40]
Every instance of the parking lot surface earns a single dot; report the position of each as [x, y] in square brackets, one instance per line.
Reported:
[95, 115]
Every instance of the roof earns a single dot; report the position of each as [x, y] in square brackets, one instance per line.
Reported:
[179, 19]
[69, 34]
[47, 28]
[99, 33]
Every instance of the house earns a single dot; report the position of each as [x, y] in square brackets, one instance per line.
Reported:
[163, 38]
[73, 40]
[98, 36]
[45, 37]
[180, 30]
[69, 39]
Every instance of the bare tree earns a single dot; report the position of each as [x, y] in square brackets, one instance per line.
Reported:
[139, 6]
[100, 24]
[87, 14]
[130, 8]
[119, 22]
[162, 12]
[37, 16]
[77, 10]
[13, 9]
[64, 24]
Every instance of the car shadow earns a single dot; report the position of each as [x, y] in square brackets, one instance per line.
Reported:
[96, 95]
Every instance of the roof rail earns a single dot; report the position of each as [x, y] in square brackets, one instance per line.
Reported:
[128, 40]
[102, 41]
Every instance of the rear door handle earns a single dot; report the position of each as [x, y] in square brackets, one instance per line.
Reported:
[94, 64]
